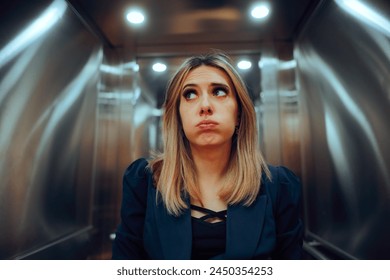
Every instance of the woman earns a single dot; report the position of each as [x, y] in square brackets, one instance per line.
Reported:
[210, 195]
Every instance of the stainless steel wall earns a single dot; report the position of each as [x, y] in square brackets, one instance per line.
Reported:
[277, 107]
[49, 72]
[127, 122]
[343, 58]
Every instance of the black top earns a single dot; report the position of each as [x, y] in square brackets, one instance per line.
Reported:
[208, 239]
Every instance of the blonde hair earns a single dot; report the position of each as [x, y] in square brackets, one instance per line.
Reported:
[174, 171]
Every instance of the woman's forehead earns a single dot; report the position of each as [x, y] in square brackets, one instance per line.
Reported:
[206, 74]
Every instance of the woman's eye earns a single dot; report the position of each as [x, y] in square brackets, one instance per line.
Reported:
[189, 95]
[220, 92]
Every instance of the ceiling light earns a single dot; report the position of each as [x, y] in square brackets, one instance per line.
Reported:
[135, 17]
[260, 11]
[244, 64]
[159, 67]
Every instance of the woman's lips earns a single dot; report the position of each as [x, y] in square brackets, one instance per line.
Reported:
[207, 124]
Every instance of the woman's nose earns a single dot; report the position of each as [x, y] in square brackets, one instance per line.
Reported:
[206, 110]
[205, 106]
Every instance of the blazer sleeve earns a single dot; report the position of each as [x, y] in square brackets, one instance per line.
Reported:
[288, 215]
[128, 243]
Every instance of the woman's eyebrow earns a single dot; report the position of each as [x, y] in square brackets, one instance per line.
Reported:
[220, 85]
[211, 84]
[189, 85]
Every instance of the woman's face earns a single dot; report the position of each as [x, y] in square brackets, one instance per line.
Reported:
[208, 107]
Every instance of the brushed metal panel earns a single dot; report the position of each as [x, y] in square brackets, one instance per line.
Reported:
[344, 84]
[279, 120]
[47, 128]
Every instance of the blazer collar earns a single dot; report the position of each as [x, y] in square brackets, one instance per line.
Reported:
[243, 229]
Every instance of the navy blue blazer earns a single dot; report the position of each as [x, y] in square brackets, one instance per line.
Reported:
[270, 228]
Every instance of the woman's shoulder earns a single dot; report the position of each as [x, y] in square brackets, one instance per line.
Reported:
[282, 181]
[282, 174]
[138, 169]
[136, 180]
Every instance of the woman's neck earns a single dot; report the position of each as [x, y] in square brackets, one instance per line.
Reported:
[211, 163]
[210, 166]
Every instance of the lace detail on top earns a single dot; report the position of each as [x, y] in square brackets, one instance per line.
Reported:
[210, 214]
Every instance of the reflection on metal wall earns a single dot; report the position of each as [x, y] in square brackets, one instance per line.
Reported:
[279, 118]
[127, 130]
[344, 76]
[48, 77]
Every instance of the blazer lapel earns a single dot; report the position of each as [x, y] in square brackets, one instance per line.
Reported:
[243, 228]
[175, 233]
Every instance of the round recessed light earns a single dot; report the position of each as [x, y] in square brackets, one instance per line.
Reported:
[260, 11]
[244, 64]
[135, 17]
[159, 67]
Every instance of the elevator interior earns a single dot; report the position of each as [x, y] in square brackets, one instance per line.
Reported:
[79, 102]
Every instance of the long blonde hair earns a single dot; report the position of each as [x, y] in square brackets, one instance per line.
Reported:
[174, 171]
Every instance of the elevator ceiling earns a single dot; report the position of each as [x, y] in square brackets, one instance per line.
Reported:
[186, 26]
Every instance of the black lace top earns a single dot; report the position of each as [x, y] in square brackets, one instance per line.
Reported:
[208, 239]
